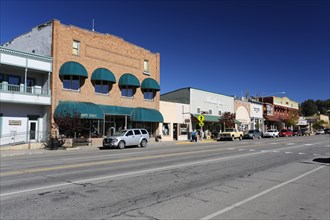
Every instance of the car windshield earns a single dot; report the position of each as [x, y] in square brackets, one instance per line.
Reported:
[120, 133]
[251, 131]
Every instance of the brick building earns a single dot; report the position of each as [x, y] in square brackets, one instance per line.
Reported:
[278, 111]
[109, 82]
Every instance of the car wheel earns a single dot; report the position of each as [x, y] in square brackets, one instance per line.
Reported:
[143, 143]
[240, 138]
[232, 138]
[121, 145]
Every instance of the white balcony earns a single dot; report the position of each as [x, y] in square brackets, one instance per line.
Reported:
[28, 95]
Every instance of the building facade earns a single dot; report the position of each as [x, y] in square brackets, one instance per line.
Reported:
[25, 96]
[211, 105]
[110, 83]
[279, 111]
[176, 121]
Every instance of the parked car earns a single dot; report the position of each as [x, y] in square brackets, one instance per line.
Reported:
[285, 133]
[305, 132]
[129, 137]
[320, 131]
[327, 131]
[252, 134]
[296, 132]
[271, 133]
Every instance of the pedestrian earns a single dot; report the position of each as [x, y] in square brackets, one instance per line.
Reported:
[202, 134]
[193, 134]
[195, 139]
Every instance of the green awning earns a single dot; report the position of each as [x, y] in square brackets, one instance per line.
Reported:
[116, 110]
[85, 110]
[150, 83]
[128, 80]
[146, 115]
[209, 118]
[72, 68]
[104, 75]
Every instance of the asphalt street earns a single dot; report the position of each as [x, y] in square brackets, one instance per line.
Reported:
[281, 178]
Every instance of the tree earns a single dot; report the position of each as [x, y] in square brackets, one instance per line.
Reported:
[69, 122]
[292, 119]
[309, 108]
[227, 120]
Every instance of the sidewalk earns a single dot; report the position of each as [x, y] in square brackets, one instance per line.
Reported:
[8, 151]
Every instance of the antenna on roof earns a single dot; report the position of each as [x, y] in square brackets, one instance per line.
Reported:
[93, 25]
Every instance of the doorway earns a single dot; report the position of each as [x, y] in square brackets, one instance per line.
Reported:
[175, 131]
[33, 130]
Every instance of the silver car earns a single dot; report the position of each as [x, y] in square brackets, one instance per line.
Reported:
[271, 133]
[129, 137]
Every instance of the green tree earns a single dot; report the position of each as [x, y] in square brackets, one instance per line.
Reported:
[227, 120]
[309, 108]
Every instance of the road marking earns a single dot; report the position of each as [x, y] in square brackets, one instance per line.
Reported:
[290, 144]
[308, 144]
[275, 151]
[301, 153]
[288, 152]
[258, 195]
[241, 149]
[252, 150]
[130, 173]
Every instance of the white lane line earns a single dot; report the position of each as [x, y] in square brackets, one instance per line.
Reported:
[275, 151]
[230, 148]
[130, 174]
[241, 149]
[308, 144]
[288, 152]
[252, 150]
[273, 143]
[301, 153]
[290, 144]
[258, 195]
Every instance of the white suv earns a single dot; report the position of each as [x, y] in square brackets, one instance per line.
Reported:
[271, 133]
[129, 137]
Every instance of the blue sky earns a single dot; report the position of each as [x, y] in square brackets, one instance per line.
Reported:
[227, 47]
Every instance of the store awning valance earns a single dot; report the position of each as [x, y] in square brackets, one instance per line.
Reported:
[85, 110]
[271, 118]
[150, 83]
[72, 68]
[104, 75]
[129, 80]
[146, 115]
[209, 118]
[116, 110]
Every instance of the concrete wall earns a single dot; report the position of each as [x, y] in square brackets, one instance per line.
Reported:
[208, 100]
[37, 41]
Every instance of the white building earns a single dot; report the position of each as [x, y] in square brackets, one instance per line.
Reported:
[211, 105]
[256, 115]
[25, 96]
[176, 121]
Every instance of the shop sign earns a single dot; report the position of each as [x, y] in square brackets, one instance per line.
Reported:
[213, 101]
[15, 122]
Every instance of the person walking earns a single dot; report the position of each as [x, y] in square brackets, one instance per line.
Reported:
[193, 135]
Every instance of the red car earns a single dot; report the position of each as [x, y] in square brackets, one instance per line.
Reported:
[285, 133]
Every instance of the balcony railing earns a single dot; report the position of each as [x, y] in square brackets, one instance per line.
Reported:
[36, 90]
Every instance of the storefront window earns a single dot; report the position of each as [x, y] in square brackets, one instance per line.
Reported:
[166, 128]
[183, 129]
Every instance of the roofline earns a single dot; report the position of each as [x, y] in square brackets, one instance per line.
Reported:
[24, 54]
[199, 90]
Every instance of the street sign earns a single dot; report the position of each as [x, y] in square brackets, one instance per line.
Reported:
[201, 124]
[201, 118]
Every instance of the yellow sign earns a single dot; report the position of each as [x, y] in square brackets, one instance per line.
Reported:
[201, 118]
[201, 124]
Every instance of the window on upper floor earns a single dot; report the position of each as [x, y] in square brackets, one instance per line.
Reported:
[71, 82]
[75, 47]
[149, 94]
[210, 111]
[146, 66]
[127, 91]
[198, 110]
[220, 113]
[102, 87]
[2, 77]
[13, 79]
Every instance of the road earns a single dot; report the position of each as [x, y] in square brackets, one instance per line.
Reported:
[281, 178]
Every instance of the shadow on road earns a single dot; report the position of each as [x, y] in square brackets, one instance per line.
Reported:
[322, 160]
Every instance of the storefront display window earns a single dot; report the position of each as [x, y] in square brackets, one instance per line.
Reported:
[183, 129]
[166, 128]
